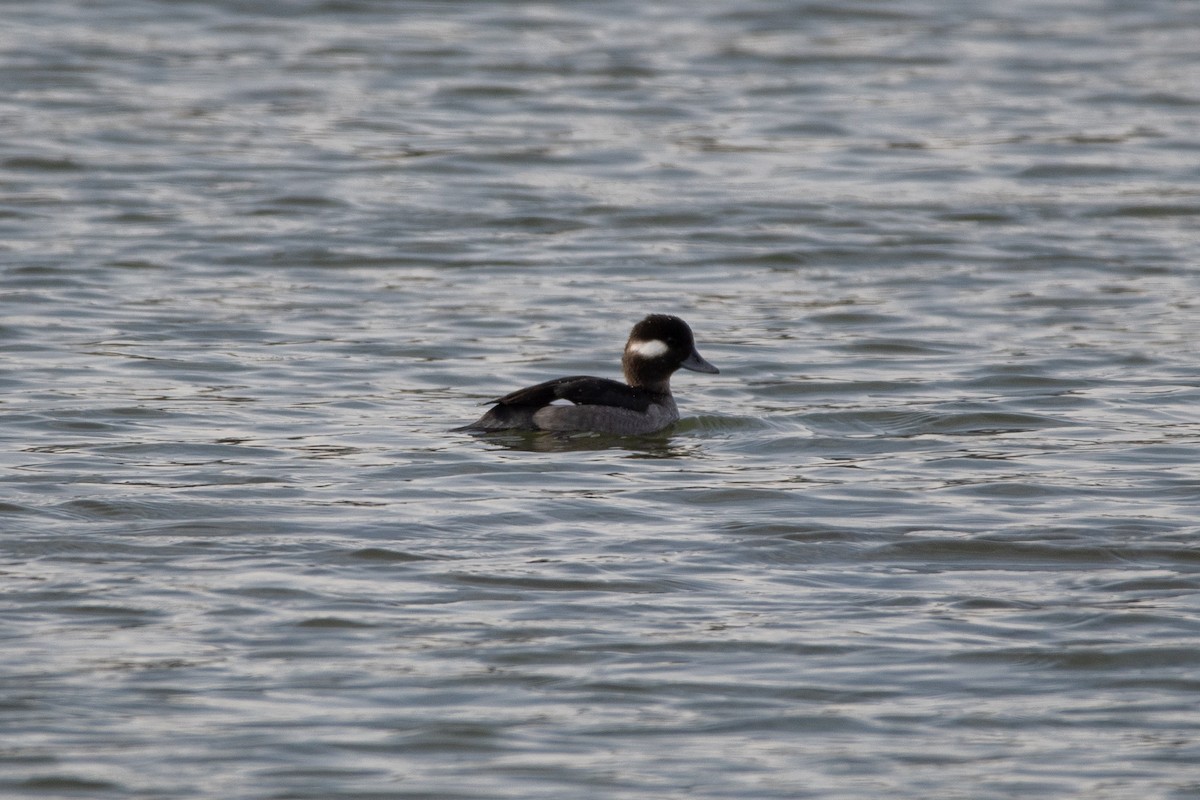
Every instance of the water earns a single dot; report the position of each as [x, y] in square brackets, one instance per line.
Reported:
[932, 533]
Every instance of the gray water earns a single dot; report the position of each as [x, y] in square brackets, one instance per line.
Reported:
[931, 533]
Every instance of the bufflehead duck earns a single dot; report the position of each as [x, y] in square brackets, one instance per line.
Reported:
[657, 346]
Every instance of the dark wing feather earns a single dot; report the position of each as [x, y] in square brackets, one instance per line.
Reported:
[605, 392]
[581, 390]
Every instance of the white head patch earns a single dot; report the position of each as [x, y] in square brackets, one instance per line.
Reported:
[651, 348]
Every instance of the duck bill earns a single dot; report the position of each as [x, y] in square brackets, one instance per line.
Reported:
[696, 363]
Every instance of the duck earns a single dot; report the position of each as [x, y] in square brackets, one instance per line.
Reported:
[658, 346]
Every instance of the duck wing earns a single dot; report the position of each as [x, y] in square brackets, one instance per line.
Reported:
[582, 390]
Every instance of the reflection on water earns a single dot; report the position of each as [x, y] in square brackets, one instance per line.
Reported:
[661, 445]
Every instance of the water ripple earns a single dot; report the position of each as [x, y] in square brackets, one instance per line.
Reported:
[932, 527]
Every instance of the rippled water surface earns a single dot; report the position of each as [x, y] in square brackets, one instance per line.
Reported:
[931, 533]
